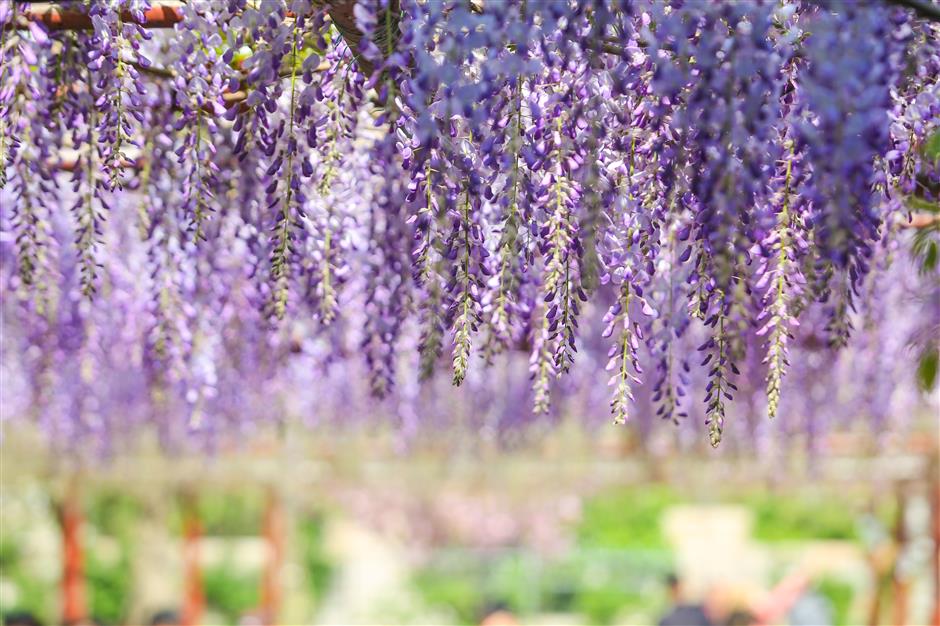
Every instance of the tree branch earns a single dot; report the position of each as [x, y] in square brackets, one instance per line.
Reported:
[924, 8]
[168, 13]
[922, 220]
[164, 14]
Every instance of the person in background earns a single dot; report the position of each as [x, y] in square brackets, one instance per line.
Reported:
[740, 617]
[165, 618]
[88, 621]
[251, 619]
[773, 608]
[810, 609]
[682, 613]
[21, 618]
[498, 614]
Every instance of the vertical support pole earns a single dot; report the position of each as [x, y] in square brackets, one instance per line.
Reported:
[73, 569]
[900, 583]
[933, 487]
[874, 610]
[193, 599]
[274, 539]
[880, 556]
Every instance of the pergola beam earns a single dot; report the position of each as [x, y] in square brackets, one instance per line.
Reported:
[57, 17]
[168, 13]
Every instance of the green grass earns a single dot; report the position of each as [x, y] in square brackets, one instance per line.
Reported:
[781, 518]
[840, 594]
[229, 591]
[318, 566]
[627, 518]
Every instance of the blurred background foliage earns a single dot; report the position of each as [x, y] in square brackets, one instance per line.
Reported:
[317, 564]
[230, 592]
[612, 569]
[108, 536]
[807, 517]
[621, 557]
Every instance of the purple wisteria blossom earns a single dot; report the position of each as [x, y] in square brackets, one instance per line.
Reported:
[336, 210]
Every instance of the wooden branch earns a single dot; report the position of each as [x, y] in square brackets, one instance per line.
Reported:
[605, 47]
[923, 220]
[55, 17]
[70, 164]
[168, 13]
[153, 70]
[341, 14]
[923, 8]
[343, 18]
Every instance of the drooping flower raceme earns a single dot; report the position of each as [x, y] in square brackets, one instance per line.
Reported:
[683, 199]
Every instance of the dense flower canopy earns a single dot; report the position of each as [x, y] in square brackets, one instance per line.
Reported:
[277, 206]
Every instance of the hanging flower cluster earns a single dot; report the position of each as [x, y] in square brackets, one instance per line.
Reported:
[423, 186]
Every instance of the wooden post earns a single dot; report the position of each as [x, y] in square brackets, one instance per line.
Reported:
[899, 582]
[73, 570]
[271, 578]
[933, 485]
[881, 557]
[194, 601]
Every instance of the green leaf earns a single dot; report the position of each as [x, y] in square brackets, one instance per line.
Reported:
[927, 368]
[925, 248]
[930, 259]
[932, 147]
[917, 203]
